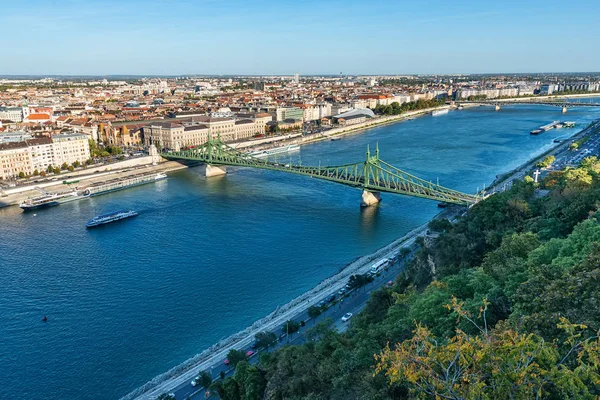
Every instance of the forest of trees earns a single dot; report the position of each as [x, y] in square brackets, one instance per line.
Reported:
[505, 304]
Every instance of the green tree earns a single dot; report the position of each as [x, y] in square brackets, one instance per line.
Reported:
[76, 164]
[205, 379]
[64, 166]
[265, 339]
[290, 327]
[56, 171]
[314, 311]
[21, 175]
[235, 356]
[546, 162]
[36, 172]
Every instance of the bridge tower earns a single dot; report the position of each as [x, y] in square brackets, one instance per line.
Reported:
[370, 198]
[214, 170]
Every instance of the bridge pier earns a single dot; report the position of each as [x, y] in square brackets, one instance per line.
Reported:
[497, 108]
[370, 198]
[214, 170]
[564, 109]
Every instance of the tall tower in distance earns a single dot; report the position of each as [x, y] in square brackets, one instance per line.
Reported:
[297, 78]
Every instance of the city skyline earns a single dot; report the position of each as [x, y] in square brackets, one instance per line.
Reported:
[158, 37]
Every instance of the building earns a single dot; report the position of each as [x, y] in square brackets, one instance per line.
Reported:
[283, 113]
[13, 114]
[70, 147]
[41, 152]
[14, 159]
[351, 120]
[197, 130]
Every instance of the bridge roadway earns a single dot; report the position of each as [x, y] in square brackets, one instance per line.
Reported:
[373, 175]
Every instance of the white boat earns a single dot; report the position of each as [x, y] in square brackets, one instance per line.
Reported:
[160, 176]
[110, 217]
[276, 150]
[435, 113]
[50, 200]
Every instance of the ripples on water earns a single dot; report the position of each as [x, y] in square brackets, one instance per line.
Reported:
[206, 258]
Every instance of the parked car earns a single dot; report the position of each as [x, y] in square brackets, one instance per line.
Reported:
[346, 317]
[330, 298]
[195, 382]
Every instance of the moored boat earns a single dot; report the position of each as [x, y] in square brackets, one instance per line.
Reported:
[435, 113]
[276, 150]
[49, 200]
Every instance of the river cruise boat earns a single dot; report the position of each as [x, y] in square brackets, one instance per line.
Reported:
[439, 112]
[121, 183]
[49, 200]
[110, 217]
[276, 150]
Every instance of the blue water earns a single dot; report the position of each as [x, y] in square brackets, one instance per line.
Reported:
[207, 257]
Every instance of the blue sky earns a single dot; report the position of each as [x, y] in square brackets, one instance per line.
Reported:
[306, 36]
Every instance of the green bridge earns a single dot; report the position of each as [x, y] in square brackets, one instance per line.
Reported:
[372, 175]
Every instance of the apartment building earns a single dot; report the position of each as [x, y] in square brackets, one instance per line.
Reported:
[39, 153]
[14, 158]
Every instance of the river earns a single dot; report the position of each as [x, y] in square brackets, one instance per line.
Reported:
[207, 257]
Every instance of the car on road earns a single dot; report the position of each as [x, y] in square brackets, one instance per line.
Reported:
[346, 317]
[330, 298]
[249, 353]
[195, 382]
[321, 304]
[226, 362]
[342, 291]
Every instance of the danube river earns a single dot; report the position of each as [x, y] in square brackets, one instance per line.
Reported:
[207, 257]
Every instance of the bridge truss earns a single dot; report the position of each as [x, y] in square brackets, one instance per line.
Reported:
[373, 175]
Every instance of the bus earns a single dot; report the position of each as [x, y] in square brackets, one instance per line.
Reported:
[379, 265]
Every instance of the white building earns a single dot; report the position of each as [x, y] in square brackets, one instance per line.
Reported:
[14, 114]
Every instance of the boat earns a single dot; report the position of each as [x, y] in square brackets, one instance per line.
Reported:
[536, 132]
[110, 217]
[435, 113]
[50, 200]
[333, 139]
[119, 184]
[460, 108]
[275, 150]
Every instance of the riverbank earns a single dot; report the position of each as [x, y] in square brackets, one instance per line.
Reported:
[355, 129]
[16, 195]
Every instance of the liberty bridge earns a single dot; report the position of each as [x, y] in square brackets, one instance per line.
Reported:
[373, 175]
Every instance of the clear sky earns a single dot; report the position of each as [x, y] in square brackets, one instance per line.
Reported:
[171, 37]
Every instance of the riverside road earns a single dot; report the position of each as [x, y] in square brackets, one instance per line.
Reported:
[351, 302]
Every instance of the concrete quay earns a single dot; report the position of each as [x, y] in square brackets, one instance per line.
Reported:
[15, 195]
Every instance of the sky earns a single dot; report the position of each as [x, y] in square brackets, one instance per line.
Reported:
[309, 37]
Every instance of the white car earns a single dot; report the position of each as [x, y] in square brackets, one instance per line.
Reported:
[346, 317]
[195, 382]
